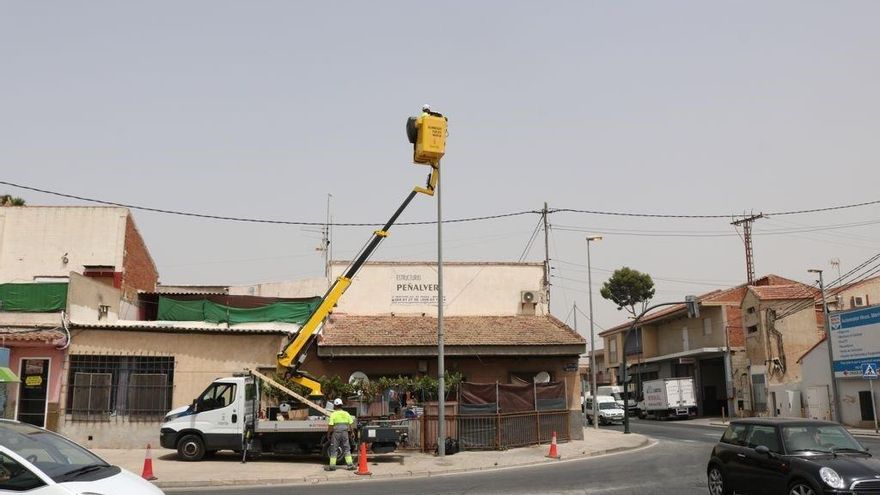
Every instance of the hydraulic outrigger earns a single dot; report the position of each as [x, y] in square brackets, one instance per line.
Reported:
[427, 133]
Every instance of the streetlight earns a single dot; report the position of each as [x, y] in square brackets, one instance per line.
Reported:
[835, 407]
[592, 238]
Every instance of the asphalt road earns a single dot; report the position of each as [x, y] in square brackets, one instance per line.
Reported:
[675, 465]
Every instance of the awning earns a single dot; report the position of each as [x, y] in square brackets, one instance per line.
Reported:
[7, 376]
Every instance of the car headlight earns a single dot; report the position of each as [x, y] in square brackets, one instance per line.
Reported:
[831, 478]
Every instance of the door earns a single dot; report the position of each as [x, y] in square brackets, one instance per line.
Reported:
[218, 416]
[818, 405]
[33, 391]
[733, 456]
[766, 472]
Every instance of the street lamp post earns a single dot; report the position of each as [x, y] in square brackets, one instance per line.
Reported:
[591, 238]
[835, 406]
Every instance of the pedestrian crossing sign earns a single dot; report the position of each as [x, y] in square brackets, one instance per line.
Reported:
[869, 370]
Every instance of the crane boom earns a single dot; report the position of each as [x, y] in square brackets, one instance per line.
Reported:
[429, 147]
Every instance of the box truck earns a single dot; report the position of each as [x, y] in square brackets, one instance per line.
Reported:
[668, 398]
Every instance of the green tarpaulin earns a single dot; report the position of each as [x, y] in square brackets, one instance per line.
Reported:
[204, 310]
[33, 298]
[7, 376]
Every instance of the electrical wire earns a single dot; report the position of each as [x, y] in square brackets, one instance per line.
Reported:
[531, 239]
[259, 220]
[457, 220]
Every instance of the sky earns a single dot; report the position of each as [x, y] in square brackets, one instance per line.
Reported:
[261, 109]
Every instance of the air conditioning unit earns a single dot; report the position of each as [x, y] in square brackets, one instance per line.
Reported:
[528, 297]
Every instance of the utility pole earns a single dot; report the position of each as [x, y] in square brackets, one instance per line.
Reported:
[746, 223]
[832, 389]
[592, 238]
[546, 257]
[441, 365]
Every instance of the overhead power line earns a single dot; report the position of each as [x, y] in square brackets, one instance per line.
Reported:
[455, 220]
[258, 220]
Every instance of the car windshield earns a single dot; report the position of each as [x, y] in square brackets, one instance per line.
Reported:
[56, 456]
[608, 405]
[810, 438]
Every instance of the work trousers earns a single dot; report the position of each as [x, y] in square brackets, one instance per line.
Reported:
[339, 440]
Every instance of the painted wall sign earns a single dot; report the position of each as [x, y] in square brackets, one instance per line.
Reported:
[414, 288]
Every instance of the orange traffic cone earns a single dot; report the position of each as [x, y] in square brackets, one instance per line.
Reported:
[554, 454]
[362, 461]
[148, 466]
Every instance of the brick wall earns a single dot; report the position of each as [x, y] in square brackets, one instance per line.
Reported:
[139, 271]
[734, 327]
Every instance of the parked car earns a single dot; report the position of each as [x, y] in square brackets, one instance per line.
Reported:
[790, 456]
[608, 409]
[37, 461]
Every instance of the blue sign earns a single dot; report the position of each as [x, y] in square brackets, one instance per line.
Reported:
[855, 340]
[869, 370]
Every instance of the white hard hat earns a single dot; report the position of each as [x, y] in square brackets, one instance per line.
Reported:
[337, 401]
[426, 107]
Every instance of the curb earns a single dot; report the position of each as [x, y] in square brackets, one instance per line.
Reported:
[316, 479]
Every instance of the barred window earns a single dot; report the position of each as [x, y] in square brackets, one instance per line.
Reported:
[101, 388]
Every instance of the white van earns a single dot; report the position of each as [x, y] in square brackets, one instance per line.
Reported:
[609, 411]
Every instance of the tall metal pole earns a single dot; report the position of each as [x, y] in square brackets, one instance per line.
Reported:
[546, 258]
[441, 385]
[835, 405]
[592, 335]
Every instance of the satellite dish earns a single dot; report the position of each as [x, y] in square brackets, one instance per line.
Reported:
[542, 377]
[358, 377]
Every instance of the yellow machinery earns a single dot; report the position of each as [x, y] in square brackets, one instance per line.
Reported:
[427, 133]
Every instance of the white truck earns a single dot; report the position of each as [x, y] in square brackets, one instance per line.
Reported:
[668, 398]
[226, 417]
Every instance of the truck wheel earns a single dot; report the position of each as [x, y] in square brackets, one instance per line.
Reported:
[191, 448]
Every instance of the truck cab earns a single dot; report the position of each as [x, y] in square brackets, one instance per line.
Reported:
[215, 420]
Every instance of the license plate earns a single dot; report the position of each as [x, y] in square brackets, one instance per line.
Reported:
[681, 412]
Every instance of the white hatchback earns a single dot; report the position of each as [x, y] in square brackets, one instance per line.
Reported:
[38, 462]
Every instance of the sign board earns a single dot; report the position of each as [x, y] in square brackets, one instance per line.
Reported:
[414, 288]
[687, 360]
[869, 371]
[570, 367]
[855, 340]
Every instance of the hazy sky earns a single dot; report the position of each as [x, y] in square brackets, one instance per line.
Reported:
[259, 109]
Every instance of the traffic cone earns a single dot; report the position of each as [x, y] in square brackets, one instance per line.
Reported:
[148, 466]
[362, 461]
[554, 454]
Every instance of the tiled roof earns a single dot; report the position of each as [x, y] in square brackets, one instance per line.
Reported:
[720, 297]
[349, 330]
[9, 335]
[784, 292]
[191, 326]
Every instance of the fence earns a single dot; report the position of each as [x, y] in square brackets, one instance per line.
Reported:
[493, 431]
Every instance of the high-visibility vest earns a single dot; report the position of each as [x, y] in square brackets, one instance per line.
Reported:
[340, 420]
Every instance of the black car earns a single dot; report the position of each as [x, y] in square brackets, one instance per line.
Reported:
[793, 457]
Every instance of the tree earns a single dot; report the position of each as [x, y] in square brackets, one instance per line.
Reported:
[10, 200]
[628, 289]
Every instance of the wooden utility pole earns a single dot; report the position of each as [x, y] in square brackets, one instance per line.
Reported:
[746, 223]
[546, 257]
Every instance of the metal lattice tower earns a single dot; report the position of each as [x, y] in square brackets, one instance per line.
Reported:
[746, 223]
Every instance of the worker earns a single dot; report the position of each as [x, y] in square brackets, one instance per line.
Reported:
[340, 427]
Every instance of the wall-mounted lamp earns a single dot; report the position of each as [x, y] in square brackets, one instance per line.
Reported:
[64, 258]
[103, 310]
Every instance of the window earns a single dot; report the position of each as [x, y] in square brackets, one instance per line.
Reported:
[735, 434]
[752, 329]
[217, 396]
[763, 435]
[612, 349]
[707, 327]
[634, 342]
[751, 310]
[15, 477]
[101, 388]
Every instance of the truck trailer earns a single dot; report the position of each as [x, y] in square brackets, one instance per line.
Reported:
[668, 398]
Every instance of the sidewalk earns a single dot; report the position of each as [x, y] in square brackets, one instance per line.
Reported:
[226, 469]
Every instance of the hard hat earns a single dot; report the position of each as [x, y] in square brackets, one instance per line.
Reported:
[426, 107]
[337, 401]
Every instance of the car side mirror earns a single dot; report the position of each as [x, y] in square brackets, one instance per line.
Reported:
[195, 405]
[763, 450]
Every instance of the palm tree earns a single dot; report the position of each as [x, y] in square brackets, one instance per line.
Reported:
[10, 200]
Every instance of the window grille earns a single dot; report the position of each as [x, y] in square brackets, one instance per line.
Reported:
[104, 388]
